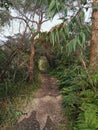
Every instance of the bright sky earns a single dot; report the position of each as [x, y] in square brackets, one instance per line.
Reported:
[14, 27]
[49, 24]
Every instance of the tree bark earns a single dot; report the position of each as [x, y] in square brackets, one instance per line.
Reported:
[94, 39]
[31, 67]
[32, 54]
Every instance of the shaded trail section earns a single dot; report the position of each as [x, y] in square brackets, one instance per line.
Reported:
[44, 111]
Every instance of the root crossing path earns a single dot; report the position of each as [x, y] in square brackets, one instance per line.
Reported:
[44, 111]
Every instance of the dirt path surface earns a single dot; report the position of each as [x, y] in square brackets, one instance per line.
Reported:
[44, 111]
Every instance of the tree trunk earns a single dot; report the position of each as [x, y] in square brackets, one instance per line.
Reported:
[31, 67]
[94, 39]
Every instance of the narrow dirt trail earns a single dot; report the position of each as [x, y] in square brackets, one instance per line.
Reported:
[44, 111]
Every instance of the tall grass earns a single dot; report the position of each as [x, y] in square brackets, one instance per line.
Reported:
[12, 97]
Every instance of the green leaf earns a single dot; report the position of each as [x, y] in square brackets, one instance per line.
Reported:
[82, 15]
[67, 30]
[18, 113]
[88, 28]
[52, 37]
[57, 35]
[82, 35]
[52, 5]
[71, 46]
[79, 42]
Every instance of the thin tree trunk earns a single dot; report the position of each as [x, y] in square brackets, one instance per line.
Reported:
[94, 39]
[31, 67]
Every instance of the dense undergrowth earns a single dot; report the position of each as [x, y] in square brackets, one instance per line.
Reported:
[15, 89]
[80, 93]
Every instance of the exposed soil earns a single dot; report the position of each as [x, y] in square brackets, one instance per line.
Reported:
[44, 111]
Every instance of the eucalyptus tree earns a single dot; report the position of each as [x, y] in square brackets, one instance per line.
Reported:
[33, 14]
[75, 29]
[77, 36]
[94, 38]
[76, 23]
